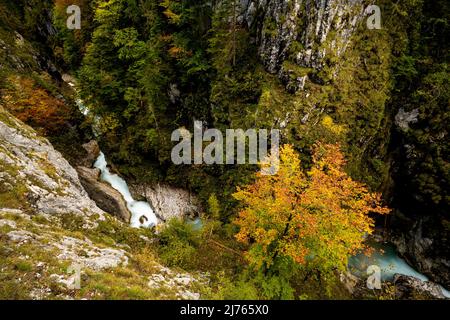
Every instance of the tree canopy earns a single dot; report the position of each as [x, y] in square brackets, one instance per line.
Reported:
[318, 218]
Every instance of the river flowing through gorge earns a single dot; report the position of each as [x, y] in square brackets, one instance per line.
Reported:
[143, 216]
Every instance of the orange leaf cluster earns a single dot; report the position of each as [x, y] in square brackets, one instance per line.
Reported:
[318, 218]
[35, 106]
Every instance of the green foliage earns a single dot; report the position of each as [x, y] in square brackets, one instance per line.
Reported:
[178, 243]
[228, 288]
[247, 285]
[422, 83]
[149, 67]
[214, 206]
[72, 222]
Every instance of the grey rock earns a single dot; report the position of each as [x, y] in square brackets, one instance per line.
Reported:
[300, 30]
[181, 283]
[52, 184]
[406, 286]
[93, 152]
[9, 223]
[83, 252]
[424, 248]
[349, 281]
[105, 196]
[21, 236]
[167, 202]
[403, 118]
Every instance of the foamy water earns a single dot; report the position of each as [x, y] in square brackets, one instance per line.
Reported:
[142, 215]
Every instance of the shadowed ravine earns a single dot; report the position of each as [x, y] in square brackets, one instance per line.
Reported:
[142, 214]
[384, 256]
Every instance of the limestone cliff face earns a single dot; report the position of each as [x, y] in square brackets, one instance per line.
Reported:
[301, 33]
[35, 177]
[48, 223]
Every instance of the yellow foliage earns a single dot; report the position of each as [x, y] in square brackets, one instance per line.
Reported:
[329, 124]
[173, 17]
[176, 52]
[318, 219]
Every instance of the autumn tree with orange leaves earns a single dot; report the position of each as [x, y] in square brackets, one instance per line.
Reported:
[36, 106]
[317, 219]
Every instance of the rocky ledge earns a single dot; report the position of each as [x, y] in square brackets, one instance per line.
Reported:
[35, 177]
[105, 196]
[410, 287]
[167, 202]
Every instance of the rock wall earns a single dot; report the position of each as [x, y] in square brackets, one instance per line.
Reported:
[33, 171]
[166, 201]
[105, 196]
[424, 246]
[406, 287]
[303, 32]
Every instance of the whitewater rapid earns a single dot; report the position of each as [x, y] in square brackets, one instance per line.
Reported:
[142, 215]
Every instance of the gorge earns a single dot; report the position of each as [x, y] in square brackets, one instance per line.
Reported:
[368, 106]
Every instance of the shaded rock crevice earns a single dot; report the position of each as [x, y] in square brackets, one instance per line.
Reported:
[424, 246]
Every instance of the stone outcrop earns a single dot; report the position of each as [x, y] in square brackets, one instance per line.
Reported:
[166, 201]
[82, 252]
[93, 152]
[407, 287]
[299, 31]
[166, 278]
[32, 169]
[105, 196]
[349, 281]
[403, 119]
[85, 253]
[424, 247]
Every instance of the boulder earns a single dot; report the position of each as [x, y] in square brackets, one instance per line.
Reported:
[167, 202]
[105, 196]
[409, 288]
[85, 253]
[93, 152]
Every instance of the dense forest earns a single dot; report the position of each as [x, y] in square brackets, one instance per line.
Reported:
[363, 115]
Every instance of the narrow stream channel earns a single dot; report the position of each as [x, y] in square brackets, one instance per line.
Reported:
[142, 215]
[384, 256]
